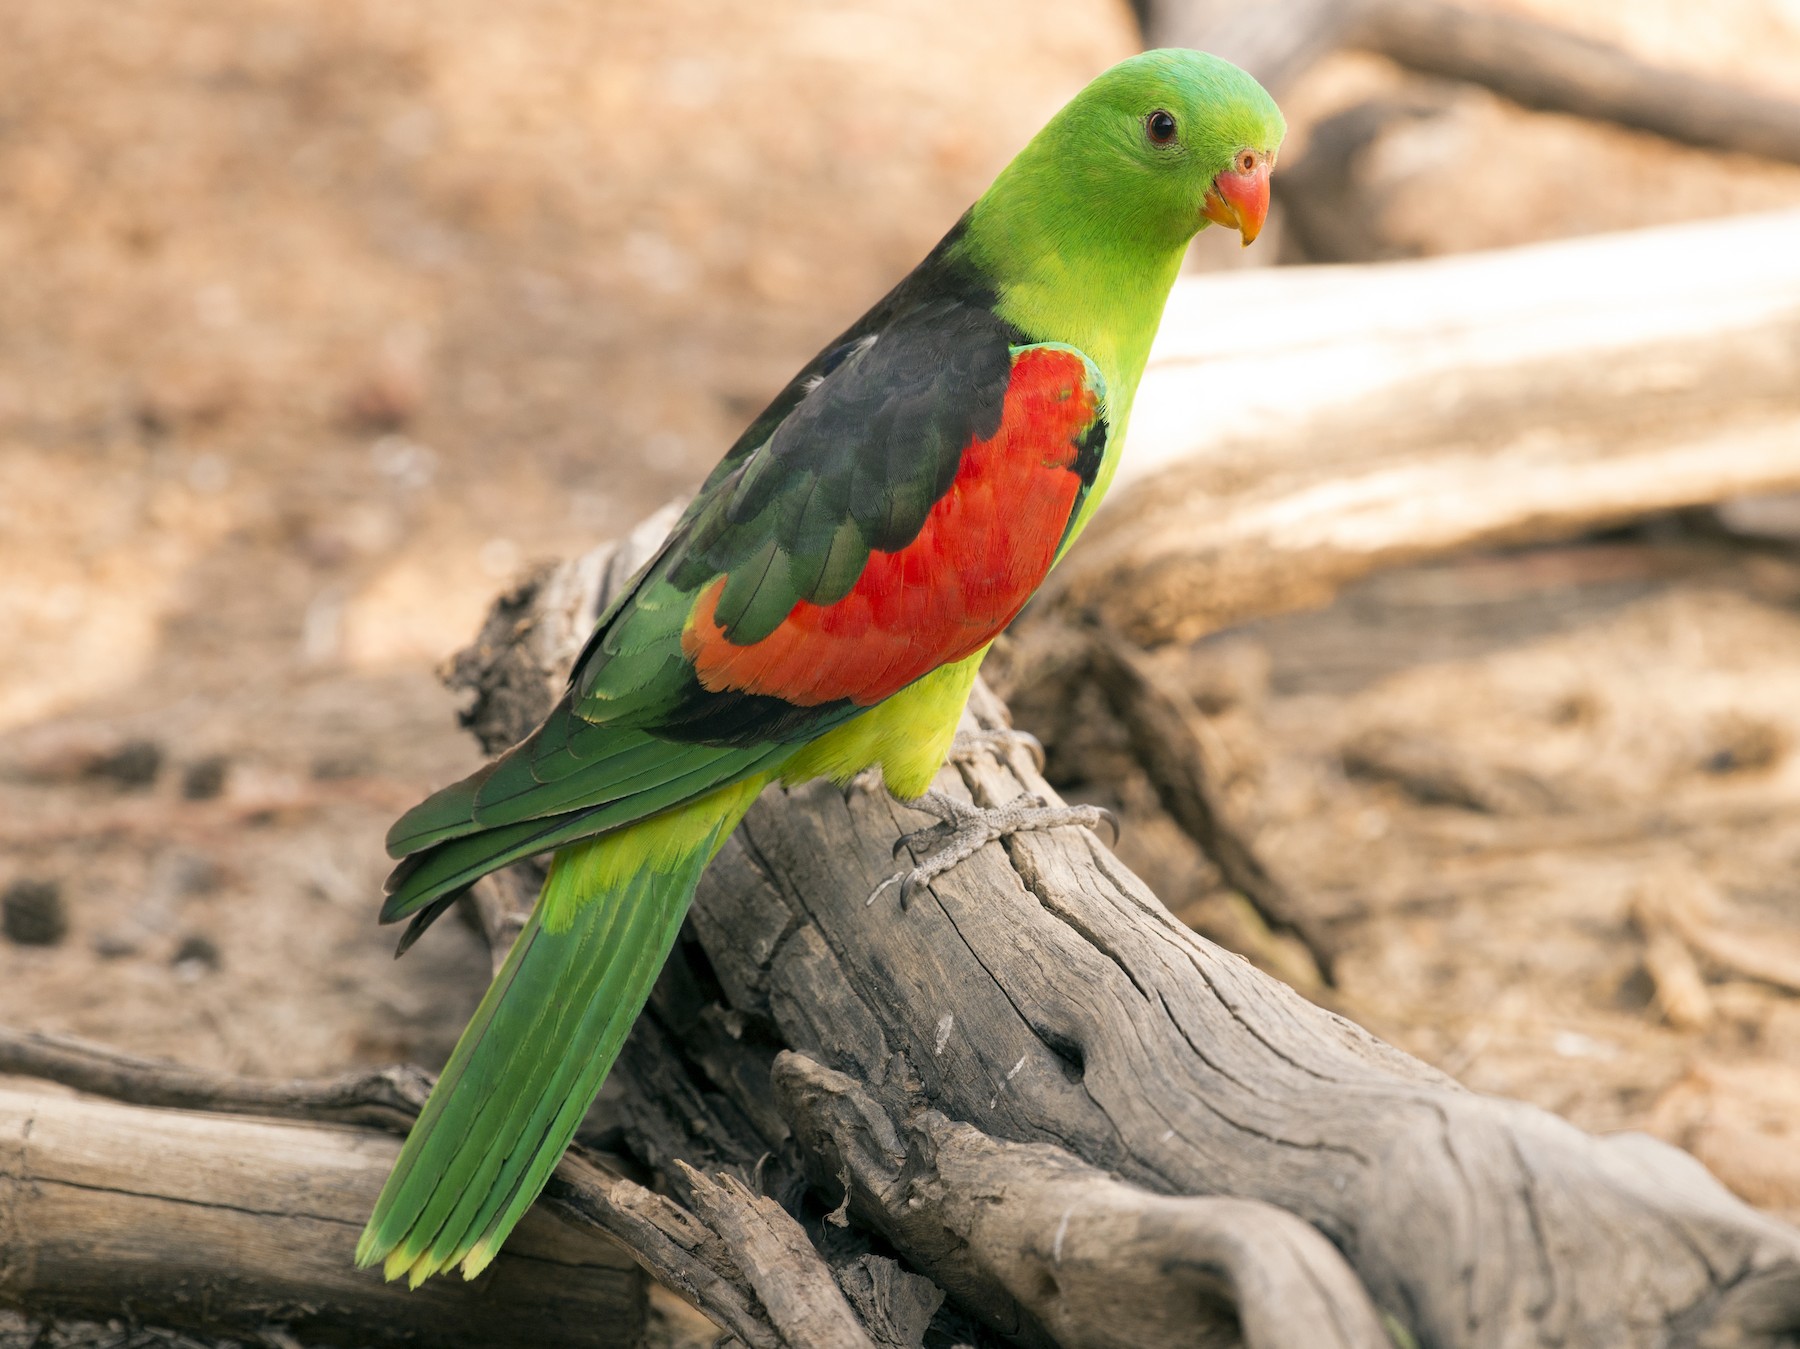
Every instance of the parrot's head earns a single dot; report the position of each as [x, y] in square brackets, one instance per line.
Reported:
[1158, 147]
[1182, 139]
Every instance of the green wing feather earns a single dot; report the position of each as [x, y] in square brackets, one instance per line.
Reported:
[683, 773]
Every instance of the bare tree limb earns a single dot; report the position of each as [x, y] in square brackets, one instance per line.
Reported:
[1540, 66]
[240, 1225]
[386, 1098]
[1161, 722]
[1536, 65]
[789, 1277]
[1361, 417]
[1042, 996]
[716, 1259]
[1065, 1252]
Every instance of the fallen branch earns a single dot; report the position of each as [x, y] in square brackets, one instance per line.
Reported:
[386, 1098]
[1062, 1251]
[1040, 996]
[1682, 904]
[1355, 418]
[1540, 66]
[1536, 65]
[184, 1245]
[1162, 726]
[238, 1225]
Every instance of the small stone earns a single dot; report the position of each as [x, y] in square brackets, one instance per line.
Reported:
[133, 766]
[115, 946]
[182, 873]
[196, 956]
[32, 913]
[204, 779]
[337, 767]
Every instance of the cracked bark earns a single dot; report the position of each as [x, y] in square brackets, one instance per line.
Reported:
[1032, 1108]
[238, 1225]
[1036, 1039]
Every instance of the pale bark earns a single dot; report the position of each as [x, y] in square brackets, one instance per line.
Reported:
[241, 1225]
[1300, 428]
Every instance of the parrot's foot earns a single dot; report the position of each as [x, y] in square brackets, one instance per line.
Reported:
[1000, 743]
[964, 829]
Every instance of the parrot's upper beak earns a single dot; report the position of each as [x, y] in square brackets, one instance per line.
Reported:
[1239, 197]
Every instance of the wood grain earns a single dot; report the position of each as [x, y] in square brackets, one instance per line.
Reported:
[114, 1211]
[1347, 419]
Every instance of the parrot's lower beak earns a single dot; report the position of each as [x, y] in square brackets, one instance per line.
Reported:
[1240, 200]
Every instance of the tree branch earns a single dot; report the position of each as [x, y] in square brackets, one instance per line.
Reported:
[1509, 397]
[1536, 65]
[238, 1225]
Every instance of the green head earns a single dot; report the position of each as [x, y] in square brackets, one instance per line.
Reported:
[1084, 230]
[1152, 150]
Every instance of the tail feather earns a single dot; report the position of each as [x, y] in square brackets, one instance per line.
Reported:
[450, 866]
[533, 1057]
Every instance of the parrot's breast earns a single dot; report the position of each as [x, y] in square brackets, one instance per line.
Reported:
[985, 547]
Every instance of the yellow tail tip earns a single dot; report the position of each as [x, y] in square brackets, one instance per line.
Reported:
[401, 1263]
[480, 1256]
[395, 1264]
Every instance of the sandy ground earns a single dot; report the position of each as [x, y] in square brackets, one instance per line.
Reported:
[321, 320]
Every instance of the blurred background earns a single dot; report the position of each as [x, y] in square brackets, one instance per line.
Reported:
[322, 321]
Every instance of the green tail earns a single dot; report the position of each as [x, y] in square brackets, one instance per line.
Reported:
[526, 1070]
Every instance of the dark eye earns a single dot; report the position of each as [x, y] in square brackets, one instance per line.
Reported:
[1246, 161]
[1159, 126]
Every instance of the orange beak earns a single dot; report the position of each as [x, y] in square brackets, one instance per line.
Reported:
[1239, 198]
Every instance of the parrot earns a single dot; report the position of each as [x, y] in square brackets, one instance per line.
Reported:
[819, 610]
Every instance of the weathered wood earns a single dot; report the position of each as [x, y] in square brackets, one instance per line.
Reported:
[388, 1098]
[1275, 41]
[1536, 65]
[790, 1278]
[1352, 418]
[1162, 725]
[1044, 996]
[231, 1224]
[1039, 995]
[281, 1271]
[1063, 1252]
[1540, 66]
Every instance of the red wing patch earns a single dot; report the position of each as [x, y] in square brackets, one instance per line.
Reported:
[985, 548]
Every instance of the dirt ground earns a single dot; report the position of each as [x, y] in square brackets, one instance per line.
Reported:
[321, 320]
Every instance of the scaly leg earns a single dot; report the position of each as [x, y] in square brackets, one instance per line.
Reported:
[1000, 743]
[965, 829]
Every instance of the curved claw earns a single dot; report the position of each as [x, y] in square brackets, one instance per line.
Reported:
[910, 885]
[1111, 822]
[916, 839]
[1034, 747]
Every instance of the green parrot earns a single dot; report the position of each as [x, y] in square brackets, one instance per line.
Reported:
[819, 610]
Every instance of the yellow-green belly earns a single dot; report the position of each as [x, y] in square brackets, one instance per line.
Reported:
[907, 735]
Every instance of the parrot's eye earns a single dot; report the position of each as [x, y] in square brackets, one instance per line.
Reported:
[1246, 161]
[1159, 126]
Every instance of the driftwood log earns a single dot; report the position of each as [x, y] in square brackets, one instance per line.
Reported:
[240, 1225]
[1534, 64]
[1037, 1086]
[1352, 418]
